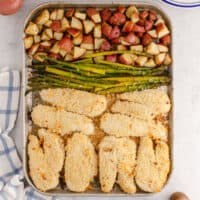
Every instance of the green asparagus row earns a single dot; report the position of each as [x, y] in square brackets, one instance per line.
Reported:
[101, 77]
[100, 65]
[102, 70]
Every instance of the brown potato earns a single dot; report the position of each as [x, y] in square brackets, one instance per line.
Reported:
[179, 196]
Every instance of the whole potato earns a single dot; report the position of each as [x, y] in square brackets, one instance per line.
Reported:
[179, 196]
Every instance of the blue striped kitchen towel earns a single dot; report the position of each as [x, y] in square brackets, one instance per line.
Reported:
[11, 173]
[9, 100]
[10, 164]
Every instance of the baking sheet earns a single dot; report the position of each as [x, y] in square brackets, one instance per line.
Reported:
[28, 100]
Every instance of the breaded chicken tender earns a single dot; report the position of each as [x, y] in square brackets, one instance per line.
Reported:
[107, 163]
[117, 159]
[77, 101]
[152, 166]
[156, 99]
[136, 110]
[121, 126]
[46, 160]
[61, 121]
[80, 163]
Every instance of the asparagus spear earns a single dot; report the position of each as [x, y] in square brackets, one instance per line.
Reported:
[122, 66]
[140, 81]
[136, 79]
[64, 82]
[76, 76]
[131, 88]
[77, 66]
[87, 60]
[56, 82]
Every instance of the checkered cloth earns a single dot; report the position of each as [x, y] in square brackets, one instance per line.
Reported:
[10, 164]
[11, 173]
[9, 100]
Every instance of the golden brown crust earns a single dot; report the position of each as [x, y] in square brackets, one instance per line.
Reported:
[46, 161]
[126, 165]
[61, 121]
[117, 155]
[80, 163]
[122, 126]
[156, 99]
[77, 101]
[152, 166]
[107, 163]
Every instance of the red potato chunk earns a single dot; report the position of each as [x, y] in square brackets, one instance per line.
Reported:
[153, 49]
[41, 48]
[127, 59]
[146, 39]
[105, 46]
[106, 29]
[91, 11]
[88, 42]
[70, 12]
[45, 45]
[66, 44]
[152, 16]
[56, 26]
[33, 49]
[130, 10]
[111, 58]
[135, 17]
[152, 33]
[55, 55]
[117, 19]
[168, 60]
[97, 31]
[116, 41]
[98, 42]
[121, 9]
[105, 14]
[128, 26]
[144, 14]
[141, 22]
[78, 40]
[162, 30]
[115, 33]
[74, 32]
[88, 39]
[88, 26]
[139, 34]
[148, 25]
[131, 38]
[93, 14]
[76, 23]
[159, 59]
[166, 40]
[121, 47]
[138, 28]
[78, 52]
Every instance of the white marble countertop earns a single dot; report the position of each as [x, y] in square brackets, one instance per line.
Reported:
[186, 50]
